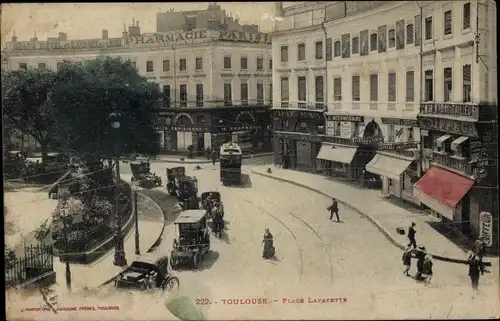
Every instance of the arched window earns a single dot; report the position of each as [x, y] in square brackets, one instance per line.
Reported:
[373, 42]
[409, 34]
[355, 45]
[336, 49]
[183, 121]
[392, 38]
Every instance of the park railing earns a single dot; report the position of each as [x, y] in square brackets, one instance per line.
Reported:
[36, 262]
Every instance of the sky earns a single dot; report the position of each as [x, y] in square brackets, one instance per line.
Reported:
[86, 20]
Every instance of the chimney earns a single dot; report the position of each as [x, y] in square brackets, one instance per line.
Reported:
[104, 34]
[14, 38]
[278, 9]
[62, 36]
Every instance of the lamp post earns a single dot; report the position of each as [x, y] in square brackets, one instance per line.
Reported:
[136, 219]
[120, 259]
[66, 247]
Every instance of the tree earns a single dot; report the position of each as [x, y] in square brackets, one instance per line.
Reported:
[90, 93]
[27, 105]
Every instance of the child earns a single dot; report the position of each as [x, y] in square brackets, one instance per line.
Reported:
[427, 269]
[407, 260]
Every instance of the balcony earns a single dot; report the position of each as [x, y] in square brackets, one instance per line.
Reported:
[397, 109]
[170, 104]
[317, 106]
[460, 164]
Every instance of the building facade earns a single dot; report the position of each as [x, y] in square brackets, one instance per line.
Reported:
[216, 84]
[396, 74]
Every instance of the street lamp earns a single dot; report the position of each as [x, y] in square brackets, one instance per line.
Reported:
[65, 219]
[120, 259]
[136, 218]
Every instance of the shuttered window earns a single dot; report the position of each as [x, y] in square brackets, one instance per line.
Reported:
[466, 70]
[428, 28]
[284, 53]
[302, 88]
[410, 86]
[149, 66]
[418, 24]
[392, 38]
[320, 96]
[355, 45]
[374, 87]
[329, 49]
[447, 23]
[244, 93]
[260, 93]
[391, 85]
[227, 62]
[183, 95]
[337, 89]
[448, 84]
[228, 95]
[409, 34]
[336, 49]
[429, 85]
[260, 63]
[243, 63]
[301, 52]
[466, 16]
[285, 91]
[199, 95]
[199, 63]
[373, 42]
[166, 65]
[355, 88]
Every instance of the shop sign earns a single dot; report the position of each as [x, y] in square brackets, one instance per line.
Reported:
[310, 115]
[486, 228]
[166, 38]
[71, 44]
[241, 36]
[244, 127]
[193, 129]
[284, 113]
[345, 118]
[301, 137]
[449, 126]
[455, 110]
[367, 140]
[400, 122]
[397, 146]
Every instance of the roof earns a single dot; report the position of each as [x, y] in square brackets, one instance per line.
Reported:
[190, 216]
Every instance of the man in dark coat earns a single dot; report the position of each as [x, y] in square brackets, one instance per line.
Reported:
[475, 267]
[334, 209]
[214, 157]
[411, 235]
[268, 244]
[420, 254]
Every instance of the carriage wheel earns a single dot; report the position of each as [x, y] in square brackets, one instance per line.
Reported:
[196, 260]
[172, 283]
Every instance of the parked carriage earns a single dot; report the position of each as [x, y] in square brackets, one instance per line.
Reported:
[145, 275]
[141, 174]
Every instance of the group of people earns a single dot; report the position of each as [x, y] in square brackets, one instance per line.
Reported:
[424, 263]
[216, 212]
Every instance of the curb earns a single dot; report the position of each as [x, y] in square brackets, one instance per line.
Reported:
[373, 221]
[203, 161]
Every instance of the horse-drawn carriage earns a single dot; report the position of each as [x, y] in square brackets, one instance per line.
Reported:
[214, 209]
[184, 187]
[141, 174]
[193, 239]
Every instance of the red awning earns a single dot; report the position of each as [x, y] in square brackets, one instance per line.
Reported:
[446, 187]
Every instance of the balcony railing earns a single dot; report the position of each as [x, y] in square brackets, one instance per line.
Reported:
[214, 104]
[302, 105]
[458, 163]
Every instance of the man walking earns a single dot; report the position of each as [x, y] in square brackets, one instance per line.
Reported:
[334, 209]
[214, 156]
[475, 267]
[411, 235]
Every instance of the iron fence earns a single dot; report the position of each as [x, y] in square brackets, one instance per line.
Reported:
[37, 261]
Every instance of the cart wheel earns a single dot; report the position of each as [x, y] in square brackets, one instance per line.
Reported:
[172, 283]
[196, 260]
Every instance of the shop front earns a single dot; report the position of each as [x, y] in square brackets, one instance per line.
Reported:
[336, 161]
[447, 195]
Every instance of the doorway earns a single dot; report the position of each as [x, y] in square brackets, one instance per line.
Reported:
[200, 140]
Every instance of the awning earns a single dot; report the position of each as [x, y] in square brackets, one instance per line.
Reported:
[442, 190]
[441, 139]
[387, 166]
[336, 153]
[458, 141]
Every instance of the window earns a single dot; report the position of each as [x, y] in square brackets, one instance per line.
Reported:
[391, 85]
[428, 28]
[418, 28]
[373, 42]
[392, 38]
[244, 63]
[228, 95]
[244, 93]
[320, 94]
[149, 66]
[182, 64]
[24, 66]
[355, 88]
[409, 34]
[271, 92]
[329, 48]
[391, 133]
[284, 53]
[134, 64]
[227, 62]
[42, 65]
[260, 94]
[319, 50]
[59, 65]
[374, 87]
[429, 85]
[270, 64]
[410, 89]
[447, 22]
[166, 95]
[199, 63]
[183, 95]
[301, 52]
[466, 16]
[466, 74]
[199, 95]
[337, 89]
[260, 63]
[166, 65]
[285, 91]
[448, 84]
[336, 49]
[355, 45]
[302, 88]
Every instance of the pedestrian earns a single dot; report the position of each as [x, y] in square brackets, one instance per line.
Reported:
[411, 235]
[407, 260]
[334, 209]
[475, 267]
[214, 157]
[420, 254]
[427, 270]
